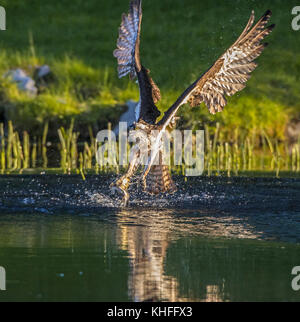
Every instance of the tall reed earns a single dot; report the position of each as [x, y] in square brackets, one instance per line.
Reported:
[241, 152]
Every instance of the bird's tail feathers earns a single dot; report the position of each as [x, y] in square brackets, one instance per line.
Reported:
[159, 180]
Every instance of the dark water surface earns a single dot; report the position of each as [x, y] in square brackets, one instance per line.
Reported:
[216, 239]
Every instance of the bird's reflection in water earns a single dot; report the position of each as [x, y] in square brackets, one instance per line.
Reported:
[146, 235]
[147, 247]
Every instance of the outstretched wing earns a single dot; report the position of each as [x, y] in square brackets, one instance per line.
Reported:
[229, 73]
[128, 56]
[127, 52]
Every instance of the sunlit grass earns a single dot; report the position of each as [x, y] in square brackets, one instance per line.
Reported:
[241, 154]
[180, 40]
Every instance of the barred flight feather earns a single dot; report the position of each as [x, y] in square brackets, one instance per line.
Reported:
[232, 70]
[127, 45]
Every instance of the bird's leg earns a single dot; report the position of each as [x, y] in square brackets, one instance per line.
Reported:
[122, 184]
[155, 147]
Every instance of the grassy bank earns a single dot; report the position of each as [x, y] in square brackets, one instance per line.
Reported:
[180, 40]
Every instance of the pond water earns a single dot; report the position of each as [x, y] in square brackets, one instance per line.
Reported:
[216, 239]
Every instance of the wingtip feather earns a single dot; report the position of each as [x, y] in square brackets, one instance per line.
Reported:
[267, 15]
[272, 26]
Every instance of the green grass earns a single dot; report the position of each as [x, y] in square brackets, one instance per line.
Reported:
[180, 40]
[244, 154]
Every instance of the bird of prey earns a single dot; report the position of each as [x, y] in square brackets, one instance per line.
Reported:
[225, 77]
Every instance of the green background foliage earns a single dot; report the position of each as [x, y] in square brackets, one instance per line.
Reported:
[180, 40]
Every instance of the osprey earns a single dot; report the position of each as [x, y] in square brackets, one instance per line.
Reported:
[225, 77]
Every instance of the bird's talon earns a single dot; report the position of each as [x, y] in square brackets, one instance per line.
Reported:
[115, 188]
